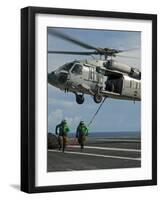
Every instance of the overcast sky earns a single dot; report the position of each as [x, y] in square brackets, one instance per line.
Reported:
[115, 115]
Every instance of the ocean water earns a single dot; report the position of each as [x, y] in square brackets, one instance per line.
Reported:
[113, 134]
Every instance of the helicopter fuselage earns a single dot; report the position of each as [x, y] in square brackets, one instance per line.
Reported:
[95, 78]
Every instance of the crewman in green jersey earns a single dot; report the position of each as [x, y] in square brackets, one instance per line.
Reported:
[81, 134]
[62, 130]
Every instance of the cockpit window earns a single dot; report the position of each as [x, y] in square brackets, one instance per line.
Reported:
[67, 66]
[77, 69]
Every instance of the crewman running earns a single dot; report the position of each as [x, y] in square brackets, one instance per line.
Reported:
[62, 130]
[81, 134]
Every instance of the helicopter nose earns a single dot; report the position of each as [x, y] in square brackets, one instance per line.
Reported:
[55, 78]
[52, 77]
[63, 76]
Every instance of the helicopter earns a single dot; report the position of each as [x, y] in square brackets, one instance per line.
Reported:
[99, 78]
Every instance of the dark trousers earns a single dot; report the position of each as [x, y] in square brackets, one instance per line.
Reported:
[62, 140]
[81, 141]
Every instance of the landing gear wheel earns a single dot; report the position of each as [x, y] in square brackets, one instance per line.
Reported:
[97, 98]
[79, 98]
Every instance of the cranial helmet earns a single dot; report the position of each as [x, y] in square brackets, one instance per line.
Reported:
[82, 122]
[64, 121]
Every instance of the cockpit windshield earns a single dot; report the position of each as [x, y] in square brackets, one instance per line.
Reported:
[67, 66]
[77, 69]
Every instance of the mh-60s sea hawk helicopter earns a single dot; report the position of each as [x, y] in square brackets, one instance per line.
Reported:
[98, 78]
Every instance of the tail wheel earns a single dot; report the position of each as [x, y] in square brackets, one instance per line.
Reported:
[97, 98]
[79, 99]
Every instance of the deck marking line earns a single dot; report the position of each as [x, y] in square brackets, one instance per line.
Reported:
[106, 148]
[96, 155]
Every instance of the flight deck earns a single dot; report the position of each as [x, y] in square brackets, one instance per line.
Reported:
[99, 153]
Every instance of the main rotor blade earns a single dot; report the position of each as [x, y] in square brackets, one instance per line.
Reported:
[70, 39]
[74, 52]
[126, 50]
[131, 57]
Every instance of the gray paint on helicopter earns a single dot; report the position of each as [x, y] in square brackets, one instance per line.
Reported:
[58, 60]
